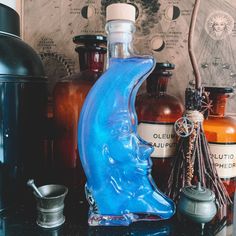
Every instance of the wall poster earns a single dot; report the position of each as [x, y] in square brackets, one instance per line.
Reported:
[162, 30]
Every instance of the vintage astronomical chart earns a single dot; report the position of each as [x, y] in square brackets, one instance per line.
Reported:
[162, 30]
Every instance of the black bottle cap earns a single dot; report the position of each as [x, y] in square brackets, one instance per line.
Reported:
[89, 39]
[164, 66]
[90, 43]
[219, 89]
[163, 69]
[9, 20]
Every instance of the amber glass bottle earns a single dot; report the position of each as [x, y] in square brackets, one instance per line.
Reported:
[68, 96]
[220, 131]
[157, 111]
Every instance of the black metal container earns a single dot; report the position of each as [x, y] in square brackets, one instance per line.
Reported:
[23, 101]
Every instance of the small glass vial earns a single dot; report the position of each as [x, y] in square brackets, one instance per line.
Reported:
[68, 97]
[157, 111]
[220, 131]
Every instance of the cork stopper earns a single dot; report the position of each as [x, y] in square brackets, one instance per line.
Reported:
[120, 11]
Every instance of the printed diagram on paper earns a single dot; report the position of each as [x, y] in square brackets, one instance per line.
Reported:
[162, 30]
[158, 31]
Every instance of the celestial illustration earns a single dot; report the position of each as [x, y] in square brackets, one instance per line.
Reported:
[56, 66]
[87, 11]
[161, 29]
[219, 24]
[172, 12]
[157, 44]
[216, 55]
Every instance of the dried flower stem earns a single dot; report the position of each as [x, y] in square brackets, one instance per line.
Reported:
[189, 158]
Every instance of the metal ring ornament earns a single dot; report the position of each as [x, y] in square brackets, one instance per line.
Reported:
[183, 126]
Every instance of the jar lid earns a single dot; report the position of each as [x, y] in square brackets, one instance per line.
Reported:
[89, 39]
[120, 11]
[9, 20]
[198, 193]
[164, 65]
[219, 89]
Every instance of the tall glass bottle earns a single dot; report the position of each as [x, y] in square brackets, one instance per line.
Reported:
[68, 96]
[220, 131]
[157, 111]
[115, 160]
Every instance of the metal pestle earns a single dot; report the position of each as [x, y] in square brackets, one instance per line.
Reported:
[30, 183]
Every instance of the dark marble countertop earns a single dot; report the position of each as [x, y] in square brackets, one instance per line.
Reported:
[21, 221]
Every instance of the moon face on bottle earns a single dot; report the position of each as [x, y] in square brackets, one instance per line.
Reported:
[111, 151]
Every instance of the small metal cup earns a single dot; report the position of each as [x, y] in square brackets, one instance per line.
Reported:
[50, 207]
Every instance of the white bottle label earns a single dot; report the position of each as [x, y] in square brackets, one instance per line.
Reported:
[224, 156]
[161, 136]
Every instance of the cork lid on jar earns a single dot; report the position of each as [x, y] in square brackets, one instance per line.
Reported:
[120, 11]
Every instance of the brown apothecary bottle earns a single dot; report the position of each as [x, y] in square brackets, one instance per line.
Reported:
[220, 130]
[68, 98]
[157, 111]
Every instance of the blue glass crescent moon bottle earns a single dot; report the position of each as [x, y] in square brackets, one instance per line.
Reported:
[116, 161]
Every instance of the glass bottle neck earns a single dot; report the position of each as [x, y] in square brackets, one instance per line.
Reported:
[218, 104]
[91, 59]
[120, 36]
[157, 85]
